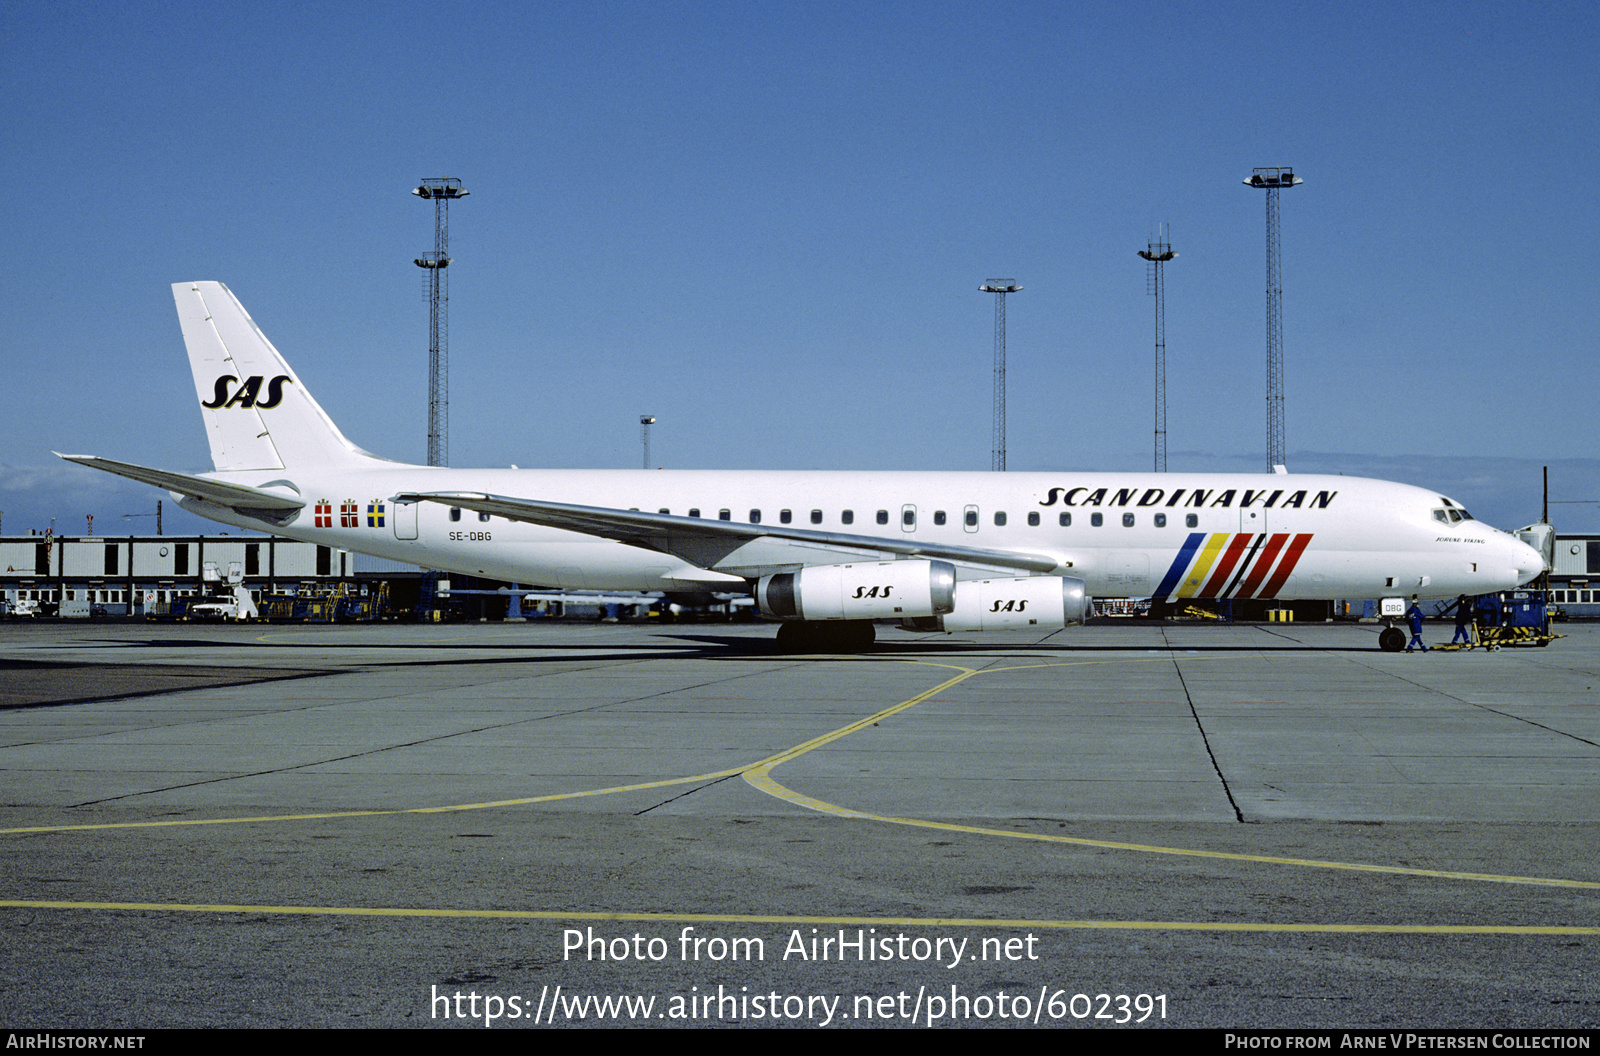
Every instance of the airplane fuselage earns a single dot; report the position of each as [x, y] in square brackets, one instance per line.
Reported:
[1172, 535]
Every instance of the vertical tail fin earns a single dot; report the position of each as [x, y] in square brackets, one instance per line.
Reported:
[257, 414]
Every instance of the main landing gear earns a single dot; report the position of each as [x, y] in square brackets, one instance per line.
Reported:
[825, 636]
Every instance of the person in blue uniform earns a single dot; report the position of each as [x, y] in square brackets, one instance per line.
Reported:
[1414, 614]
[1463, 621]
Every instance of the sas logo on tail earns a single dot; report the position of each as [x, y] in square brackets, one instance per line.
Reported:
[248, 394]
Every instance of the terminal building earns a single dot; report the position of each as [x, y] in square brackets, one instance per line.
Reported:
[120, 574]
[1575, 575]
[144, 574]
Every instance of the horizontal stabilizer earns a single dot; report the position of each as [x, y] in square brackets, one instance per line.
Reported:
[236, 496]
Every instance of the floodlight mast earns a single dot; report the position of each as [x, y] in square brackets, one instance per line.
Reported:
[1272, 179]
[1158, 253]
[999, 287]
[441, 191]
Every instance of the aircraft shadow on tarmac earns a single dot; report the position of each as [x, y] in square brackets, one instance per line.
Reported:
[730, 647]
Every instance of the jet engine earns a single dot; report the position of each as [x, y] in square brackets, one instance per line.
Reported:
[868, 590]
[1008, 604]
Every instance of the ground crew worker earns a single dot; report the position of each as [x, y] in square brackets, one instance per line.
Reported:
[1414, 614]
[1463, 621]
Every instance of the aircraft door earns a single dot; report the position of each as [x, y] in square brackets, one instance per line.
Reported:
[1253, 520]
[1127, 574]
[405, 520]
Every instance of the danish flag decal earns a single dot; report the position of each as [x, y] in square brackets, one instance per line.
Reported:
[349, 514]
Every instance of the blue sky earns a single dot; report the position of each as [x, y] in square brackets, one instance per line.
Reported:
[766, 224]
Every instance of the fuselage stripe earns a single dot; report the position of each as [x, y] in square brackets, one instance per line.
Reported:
[1291, 557]
[1219, 579]
[1262, 566]
[1244, 565]
[1193, 581]
[1175, 573]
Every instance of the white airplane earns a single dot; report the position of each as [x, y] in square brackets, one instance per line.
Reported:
[825, 552]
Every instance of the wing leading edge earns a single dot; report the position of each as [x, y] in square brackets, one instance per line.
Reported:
[726, 545]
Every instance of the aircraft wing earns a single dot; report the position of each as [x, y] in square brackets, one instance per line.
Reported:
[237, 496]
[724, 545]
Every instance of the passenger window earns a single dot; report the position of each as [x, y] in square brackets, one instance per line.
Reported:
[755, 516]
[1033, 519]
[1161, 520]
[847, 517]
[1066, 520]
[455, 513]
[816, 516]
[972, 518]
[999, 518]
[663, 510]
[1097, 519]
[785, 516]
[1127, 520]
[483, 516]
[724, 515]
[883, 516]
[1191, 520]
[938, 516]
[908, 517]
[694, 511]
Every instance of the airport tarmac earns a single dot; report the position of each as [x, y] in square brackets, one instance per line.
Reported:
[499, 825]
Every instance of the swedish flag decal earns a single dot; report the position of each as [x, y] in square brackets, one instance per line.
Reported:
[375, 514]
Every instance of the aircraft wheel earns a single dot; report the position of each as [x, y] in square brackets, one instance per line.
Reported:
[1392, 640]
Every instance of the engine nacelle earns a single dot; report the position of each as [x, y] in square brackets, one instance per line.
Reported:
[1010, 604]
[866, 590]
